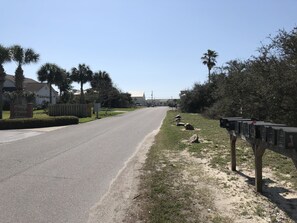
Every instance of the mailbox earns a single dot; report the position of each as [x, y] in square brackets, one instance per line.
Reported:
[224, 122]
[287, 138]
[264, 132]
[245, 128]
[231, 122]
[254, 129]
[238, 126]
[271, 134]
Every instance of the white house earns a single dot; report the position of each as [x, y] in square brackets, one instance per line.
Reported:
[41, 90]
[138, 97]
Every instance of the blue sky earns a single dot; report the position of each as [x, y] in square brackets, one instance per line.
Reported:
[145, 45]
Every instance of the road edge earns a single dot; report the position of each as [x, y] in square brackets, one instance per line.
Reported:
[115, 203]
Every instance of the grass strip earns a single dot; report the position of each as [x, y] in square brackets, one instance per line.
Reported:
[166, 197]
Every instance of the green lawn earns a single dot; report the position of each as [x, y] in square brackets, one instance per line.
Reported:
[107, 113]
[102, 114]
[5, 114]
[36, 114]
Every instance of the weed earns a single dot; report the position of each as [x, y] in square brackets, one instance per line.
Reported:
[220, 219]
[259, 211]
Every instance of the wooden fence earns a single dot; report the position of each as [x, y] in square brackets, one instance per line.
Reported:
[79, 110]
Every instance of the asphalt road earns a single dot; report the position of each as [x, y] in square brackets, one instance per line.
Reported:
[57, 176]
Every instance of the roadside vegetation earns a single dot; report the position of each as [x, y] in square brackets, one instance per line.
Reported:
[107, 112]
[181, 181]
[104, 112]
[25, 123]
[262, 87]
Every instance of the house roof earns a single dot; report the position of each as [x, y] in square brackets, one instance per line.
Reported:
[9, 77]
[29, 80]
[33, 86]
[26, 80]
[29, 84]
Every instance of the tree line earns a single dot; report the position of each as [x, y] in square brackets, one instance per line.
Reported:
[262, 87]
[103, 89]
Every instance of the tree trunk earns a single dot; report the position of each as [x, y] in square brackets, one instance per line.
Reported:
[82, 97]
[2, 79]
[19, 78]
[208, 75]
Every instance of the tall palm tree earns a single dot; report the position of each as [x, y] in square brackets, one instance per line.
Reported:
[209, 59]
[64, 84]
[101, 79]
[82, 74]
[22, 56]
[102, 83]
[4, 57]
[51, 73]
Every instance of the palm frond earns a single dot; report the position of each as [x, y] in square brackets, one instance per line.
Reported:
[4, 55]
[82, 74]
[49, 72]
[30, 56]
[17, 53]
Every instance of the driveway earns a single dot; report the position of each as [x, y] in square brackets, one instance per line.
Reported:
[14, 135]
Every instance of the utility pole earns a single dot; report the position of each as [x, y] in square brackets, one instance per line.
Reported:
[152, 98]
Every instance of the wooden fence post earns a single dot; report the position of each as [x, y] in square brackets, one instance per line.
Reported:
[233, 152]
[258, 152]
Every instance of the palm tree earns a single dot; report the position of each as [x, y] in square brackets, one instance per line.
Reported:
[22, 56]
[102, 83]
[4, 57]
[82, 75]
[51, 73]
[209, 59]
[101, 79]
[64, 84]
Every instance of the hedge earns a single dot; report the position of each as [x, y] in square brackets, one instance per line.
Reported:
[22, 123]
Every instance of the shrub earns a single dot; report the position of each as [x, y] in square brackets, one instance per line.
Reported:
[23, 123]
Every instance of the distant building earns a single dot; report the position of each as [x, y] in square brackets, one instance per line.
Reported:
[157, 102]
[162, 102]
[138, 98]
[41, 90]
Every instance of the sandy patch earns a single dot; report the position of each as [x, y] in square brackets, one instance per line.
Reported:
[234, 193]
[227, 194]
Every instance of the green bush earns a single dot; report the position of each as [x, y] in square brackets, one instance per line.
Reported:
[22, 123]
